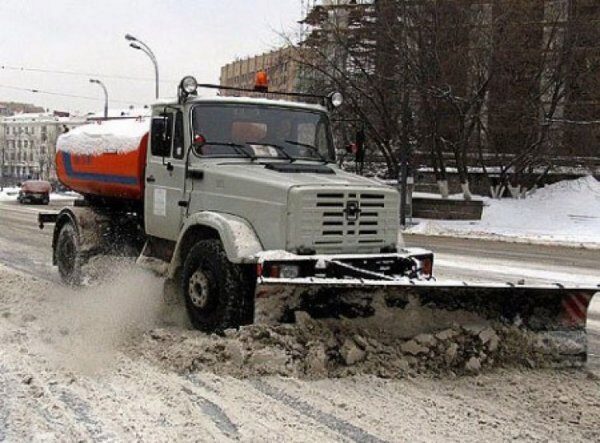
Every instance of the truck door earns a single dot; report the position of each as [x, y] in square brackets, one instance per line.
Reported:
[165, 175]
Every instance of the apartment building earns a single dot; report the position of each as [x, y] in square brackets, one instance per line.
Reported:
[28, 144]
[279, 65]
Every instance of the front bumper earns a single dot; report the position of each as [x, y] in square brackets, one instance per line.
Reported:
[414, 264]
[406, 264]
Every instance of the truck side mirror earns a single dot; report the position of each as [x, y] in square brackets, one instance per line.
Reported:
[161, 136]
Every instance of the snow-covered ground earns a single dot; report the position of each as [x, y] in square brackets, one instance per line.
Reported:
[99, 364]
[10, 194]
[564, 213]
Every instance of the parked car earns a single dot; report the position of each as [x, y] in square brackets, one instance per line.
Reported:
[35, 191]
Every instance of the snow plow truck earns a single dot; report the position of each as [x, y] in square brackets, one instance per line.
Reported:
[241, 201]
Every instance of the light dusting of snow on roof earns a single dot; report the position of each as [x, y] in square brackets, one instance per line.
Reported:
[106, 136]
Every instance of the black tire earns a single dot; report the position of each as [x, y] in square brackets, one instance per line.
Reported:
[68, 255]
[218, 294]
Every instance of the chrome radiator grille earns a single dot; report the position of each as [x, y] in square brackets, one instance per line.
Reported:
[343, 221]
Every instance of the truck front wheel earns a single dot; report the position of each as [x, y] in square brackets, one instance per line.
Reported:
[218, 294]
[67, 254]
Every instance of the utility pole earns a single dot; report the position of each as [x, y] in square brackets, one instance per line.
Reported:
[405, 148]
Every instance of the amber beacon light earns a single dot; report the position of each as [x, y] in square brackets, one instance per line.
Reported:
[262, 82]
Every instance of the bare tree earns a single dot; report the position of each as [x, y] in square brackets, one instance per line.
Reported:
[351, 54]
[449, 63]
[499, 84]
[528, 89]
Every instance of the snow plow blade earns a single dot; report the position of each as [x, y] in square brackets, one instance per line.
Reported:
[556, 314]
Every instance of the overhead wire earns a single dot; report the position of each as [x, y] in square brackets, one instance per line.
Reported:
[81, 73]
[61, 94]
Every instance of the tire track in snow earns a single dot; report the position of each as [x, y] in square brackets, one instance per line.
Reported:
[211, 409]
[83, 414]
[261, 414]
[332, 422]
[208, 410]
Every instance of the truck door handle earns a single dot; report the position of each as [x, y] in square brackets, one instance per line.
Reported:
[150, 179]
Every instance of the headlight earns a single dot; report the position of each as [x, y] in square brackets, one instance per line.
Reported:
[337, 99]
[189, 84]
[289, 271]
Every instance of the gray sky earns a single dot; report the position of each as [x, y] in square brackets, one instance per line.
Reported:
[188, 37]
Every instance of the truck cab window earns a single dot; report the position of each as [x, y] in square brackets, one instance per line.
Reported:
[162, 135]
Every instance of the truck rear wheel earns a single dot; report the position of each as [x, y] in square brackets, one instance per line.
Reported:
[68, 256]
[218, 294]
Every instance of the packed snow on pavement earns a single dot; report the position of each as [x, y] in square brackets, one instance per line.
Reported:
[566, 213]
[113, 362]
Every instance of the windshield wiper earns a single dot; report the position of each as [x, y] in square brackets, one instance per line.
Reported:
[311, 148]
[236, 146]
[279, 149]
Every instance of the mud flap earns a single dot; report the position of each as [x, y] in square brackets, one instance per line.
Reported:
[556, 314]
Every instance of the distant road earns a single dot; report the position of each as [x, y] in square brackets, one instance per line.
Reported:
[23, 246]
[486, 260]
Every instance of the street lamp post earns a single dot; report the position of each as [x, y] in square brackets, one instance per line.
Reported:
[141, 46]
[98, 82]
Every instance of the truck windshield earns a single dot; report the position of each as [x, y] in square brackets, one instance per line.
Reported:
[263, 132]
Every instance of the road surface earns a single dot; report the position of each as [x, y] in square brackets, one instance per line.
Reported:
[138, 399]
[24, 247]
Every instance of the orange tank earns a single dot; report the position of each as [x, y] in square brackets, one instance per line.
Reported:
[106, 174]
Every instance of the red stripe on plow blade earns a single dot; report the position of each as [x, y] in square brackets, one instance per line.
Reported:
[575, 308]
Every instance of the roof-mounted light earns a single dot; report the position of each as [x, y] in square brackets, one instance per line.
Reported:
[262, 82]
[187, 87]
[336, 99]
[189, 84]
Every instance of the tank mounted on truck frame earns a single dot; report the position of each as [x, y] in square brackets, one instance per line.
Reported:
[241, 201]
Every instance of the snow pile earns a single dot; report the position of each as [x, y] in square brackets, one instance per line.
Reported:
[113, 136]
[316, 349]
[567, 212]
[9, 194]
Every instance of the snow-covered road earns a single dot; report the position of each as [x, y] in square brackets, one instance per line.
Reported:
[53, 343]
